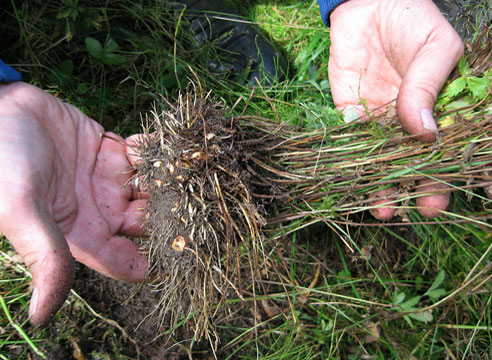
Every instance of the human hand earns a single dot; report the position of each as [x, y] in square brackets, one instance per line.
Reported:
[62, 194]
[382, 50]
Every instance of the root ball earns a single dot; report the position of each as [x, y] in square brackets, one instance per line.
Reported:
[196, 166]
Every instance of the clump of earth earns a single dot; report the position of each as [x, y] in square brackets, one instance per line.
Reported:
[205, 177]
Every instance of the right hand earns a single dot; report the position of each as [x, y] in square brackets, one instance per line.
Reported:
[382, 50]
[62, 195]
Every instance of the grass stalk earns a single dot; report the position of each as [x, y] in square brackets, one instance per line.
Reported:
[19, 329]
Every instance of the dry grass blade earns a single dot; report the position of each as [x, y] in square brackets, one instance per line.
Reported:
[356, 160]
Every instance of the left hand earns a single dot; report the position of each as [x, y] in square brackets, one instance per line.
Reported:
[62, 195]
[383, 50]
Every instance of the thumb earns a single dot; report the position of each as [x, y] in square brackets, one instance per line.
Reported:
[46, 253]
[424, 79]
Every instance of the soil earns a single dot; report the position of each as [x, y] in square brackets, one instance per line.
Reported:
[122, 326]
[123, 308]
[121, 323]
[128, 304]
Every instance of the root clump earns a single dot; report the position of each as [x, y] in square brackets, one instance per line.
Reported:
[196, 167]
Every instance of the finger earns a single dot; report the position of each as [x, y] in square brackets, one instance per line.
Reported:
[432, 206]
[133, 143]
[139, 191]
[133, 219]
[111, 172]
[383, 197]
[424, 79]
[112, 163]
[45, 252]
[117, 257]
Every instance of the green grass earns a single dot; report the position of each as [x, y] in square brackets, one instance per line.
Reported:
[15, 335]
[420, 291]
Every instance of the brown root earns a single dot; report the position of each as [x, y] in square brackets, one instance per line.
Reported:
[196, 167]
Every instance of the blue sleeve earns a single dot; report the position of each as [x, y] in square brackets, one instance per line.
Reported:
[326, 7]
[7, 74]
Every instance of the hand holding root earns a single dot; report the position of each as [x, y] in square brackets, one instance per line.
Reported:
[399, 49]
[61, 195]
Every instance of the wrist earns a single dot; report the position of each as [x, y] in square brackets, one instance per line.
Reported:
[326, 7]
[353, 13]
[7, 74]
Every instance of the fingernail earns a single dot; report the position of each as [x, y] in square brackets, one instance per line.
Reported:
[428, 121]
[34, 302]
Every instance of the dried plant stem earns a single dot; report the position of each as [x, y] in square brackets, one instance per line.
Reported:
[211, 180]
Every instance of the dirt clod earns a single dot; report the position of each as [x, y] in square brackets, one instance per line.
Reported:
[198, 171]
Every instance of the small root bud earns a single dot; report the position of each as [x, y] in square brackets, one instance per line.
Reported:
[179, 243]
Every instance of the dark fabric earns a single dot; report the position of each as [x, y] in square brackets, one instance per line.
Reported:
[7, 74]
[243, 52]
[326, 7]
[466, 15]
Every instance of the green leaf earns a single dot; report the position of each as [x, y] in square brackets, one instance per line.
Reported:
[110, 46]
[325, 85]
[63, 74]
[350, 115]
[438, 280]
[345, 273]
[399, 297]
[456, 87]
[74, 14]
[326, 326]
[67, 68]
[424, 316]
[463, 67]
[478, 86]
[94, 47]
[64, 14]
[408, 320]
[435, 291]
[82, 89]
[436, 294]
[312, 72]
[168, 81]
[410, 303]
[459, 103]
[113, 59]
